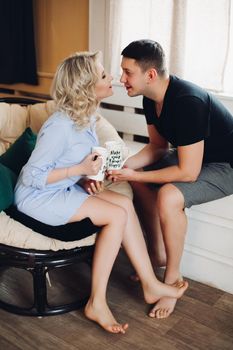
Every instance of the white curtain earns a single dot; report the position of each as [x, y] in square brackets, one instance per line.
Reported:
[197, 36]
[114, 11]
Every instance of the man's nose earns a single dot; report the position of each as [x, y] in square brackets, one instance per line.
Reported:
[122, 79]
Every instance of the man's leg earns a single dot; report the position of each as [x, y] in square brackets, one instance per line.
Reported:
[145, 199]
[173, 221]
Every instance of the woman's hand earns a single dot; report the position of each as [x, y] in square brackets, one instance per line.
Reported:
[91, 164]
[93, 187]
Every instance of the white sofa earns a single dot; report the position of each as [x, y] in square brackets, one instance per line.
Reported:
[208, 255]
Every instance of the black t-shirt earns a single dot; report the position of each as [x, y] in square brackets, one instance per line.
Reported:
[190, 114]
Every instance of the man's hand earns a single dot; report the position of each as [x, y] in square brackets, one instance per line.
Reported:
[124, 174]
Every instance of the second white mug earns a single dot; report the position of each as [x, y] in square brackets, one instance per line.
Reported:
[117, 154]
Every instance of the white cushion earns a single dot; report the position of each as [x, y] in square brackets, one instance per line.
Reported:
[15, 234]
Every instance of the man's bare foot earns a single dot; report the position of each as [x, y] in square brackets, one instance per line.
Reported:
[101, 314]
[164, 307]
[161, 290]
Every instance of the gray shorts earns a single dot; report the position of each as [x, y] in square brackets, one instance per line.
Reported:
[214, 181]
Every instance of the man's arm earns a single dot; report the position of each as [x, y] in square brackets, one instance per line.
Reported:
[189, 165]
[152, 152]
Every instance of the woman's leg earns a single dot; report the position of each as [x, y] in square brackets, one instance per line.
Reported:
[135, 246]
[107, 246]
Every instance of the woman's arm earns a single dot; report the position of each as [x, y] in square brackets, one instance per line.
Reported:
[90, 166]
[52, 142]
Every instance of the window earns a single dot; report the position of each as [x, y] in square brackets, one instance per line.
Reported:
[197, 36]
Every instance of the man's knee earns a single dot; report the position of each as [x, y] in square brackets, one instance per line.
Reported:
[169, 199]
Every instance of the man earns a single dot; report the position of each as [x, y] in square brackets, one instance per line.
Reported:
[199, 168]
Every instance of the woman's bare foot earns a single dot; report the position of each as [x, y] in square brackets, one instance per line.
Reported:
[135, 278]
[164, 307]
[161, 290]
[101, 314]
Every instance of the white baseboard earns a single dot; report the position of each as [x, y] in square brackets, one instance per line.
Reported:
[210, 270]
[208, 254]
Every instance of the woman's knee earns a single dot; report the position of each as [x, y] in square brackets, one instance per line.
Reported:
[169, 200]
[126, 203]
[118, 215]
[101, 212]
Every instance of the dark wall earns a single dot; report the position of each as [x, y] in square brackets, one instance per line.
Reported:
[17, 55]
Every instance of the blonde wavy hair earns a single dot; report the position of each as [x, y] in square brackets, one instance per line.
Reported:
[73, 87]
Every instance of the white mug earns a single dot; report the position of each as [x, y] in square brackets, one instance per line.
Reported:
[104, 155]
[117, 154]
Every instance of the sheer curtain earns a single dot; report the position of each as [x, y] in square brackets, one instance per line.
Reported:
[195, 34]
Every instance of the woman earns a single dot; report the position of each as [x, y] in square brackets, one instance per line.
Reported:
[47, 188]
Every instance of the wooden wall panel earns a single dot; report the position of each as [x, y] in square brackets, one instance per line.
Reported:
[61, 28]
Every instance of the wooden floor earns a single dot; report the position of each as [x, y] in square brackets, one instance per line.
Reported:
[203, 318]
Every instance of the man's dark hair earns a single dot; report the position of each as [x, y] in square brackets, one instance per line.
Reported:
[147, 53]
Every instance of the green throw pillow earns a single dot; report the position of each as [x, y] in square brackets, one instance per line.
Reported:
[19, 152]
[7, 183]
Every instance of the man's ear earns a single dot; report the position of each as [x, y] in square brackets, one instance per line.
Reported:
[152, 74]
